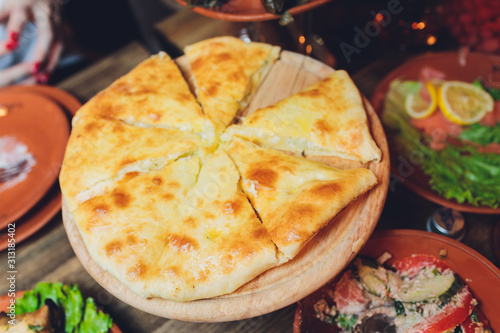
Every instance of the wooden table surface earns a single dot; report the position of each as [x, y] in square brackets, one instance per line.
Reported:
[48, 256]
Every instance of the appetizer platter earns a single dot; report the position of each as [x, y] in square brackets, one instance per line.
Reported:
[428, 283]
[446, 104]
[198, 213]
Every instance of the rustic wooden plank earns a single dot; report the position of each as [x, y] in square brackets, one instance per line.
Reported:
[98, 76]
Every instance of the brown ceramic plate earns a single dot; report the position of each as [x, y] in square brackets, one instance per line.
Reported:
[41, 125]
[5, 301]
[475, 65]
[45, 209]
[249, 10]
[480, 274]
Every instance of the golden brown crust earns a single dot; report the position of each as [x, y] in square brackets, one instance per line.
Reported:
[169, 217]
[227, 72]
[327, 119]
[180, 233]
[294, 197]
[104, 149]
[153, 94]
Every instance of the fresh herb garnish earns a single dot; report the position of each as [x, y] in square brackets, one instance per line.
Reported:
[474, 317]
[35, 328]
[346, 321]
[484, 135]
[400, 308]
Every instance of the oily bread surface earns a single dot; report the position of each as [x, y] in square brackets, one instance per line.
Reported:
[326, 119]
[142, 289]
[152, 94]
[226, 72]
[295, 197]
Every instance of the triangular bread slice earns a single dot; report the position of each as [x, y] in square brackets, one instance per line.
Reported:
[101, 151]
[125, 230]
[226, 72]
[153, 94]
[180, 233]
[326, 119]
[217, 242]
[293, 196]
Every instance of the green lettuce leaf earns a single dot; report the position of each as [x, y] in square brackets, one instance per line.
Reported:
[94, 321]
[484, 135]
[80, 316]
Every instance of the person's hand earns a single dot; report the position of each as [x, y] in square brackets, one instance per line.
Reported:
[45, 14]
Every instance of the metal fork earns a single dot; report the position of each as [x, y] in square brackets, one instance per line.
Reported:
[10, 172]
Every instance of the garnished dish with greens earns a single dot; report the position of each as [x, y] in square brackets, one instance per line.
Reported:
[419, 293]
[451, 131]
[55, 307]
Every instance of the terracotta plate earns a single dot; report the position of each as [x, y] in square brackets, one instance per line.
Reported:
[480, 274]
[245, 11]
[474, 65]
[41, 125]
[67, 101]
[46, 208]
[5, 301]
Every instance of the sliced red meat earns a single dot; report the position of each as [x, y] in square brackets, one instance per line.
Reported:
[428, 73]
[438, 127]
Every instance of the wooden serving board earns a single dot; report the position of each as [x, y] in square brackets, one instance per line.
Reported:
[322, 258]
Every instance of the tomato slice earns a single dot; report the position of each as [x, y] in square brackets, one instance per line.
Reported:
[349, 295]
[450, 316]
[470, 326]
[411, 265]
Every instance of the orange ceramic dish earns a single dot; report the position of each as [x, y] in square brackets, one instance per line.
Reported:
[246, 11]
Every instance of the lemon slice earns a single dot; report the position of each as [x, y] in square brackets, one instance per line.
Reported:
[419, 108]
[464, 103]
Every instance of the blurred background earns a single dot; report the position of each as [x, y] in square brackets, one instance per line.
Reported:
[345, 34]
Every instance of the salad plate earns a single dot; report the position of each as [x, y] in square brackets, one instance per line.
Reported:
[409, 170]
[6, 301]
[479, 274]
